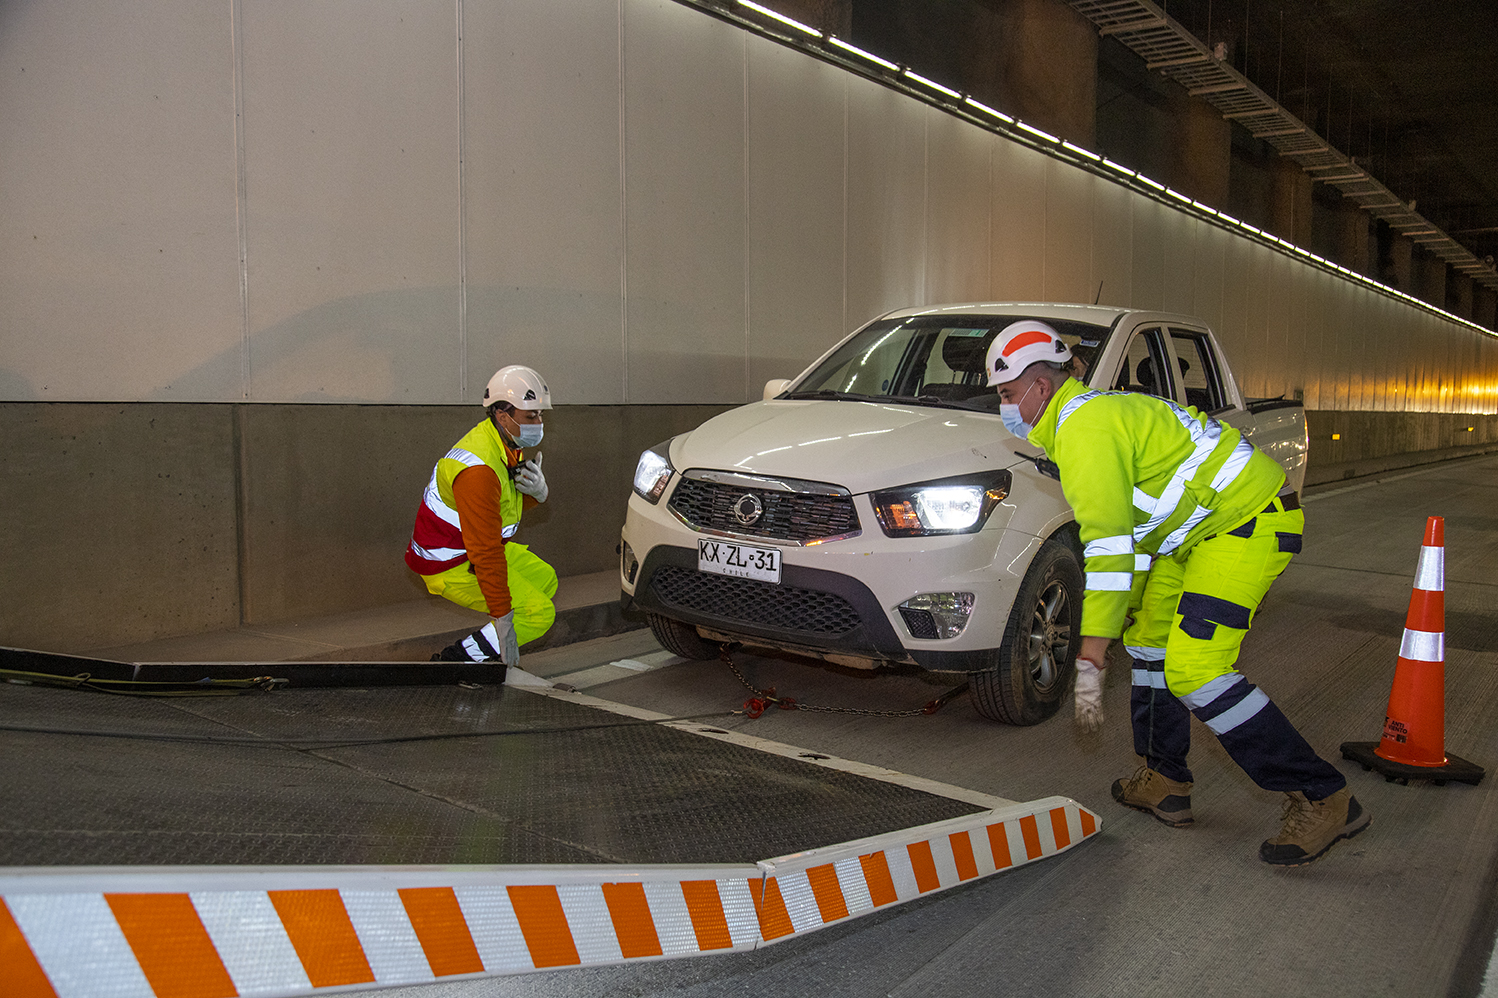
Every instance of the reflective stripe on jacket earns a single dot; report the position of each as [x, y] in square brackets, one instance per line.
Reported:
[437, 539]
[1146, 477]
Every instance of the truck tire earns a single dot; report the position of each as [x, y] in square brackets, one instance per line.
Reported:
[1033, 668]
[681, 639]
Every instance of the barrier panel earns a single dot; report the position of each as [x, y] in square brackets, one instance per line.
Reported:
[218, 932]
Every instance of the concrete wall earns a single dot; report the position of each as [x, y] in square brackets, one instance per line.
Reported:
[264, 201]
[128, 522]
[1350, 444]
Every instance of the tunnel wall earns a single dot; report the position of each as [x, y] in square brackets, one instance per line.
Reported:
[258, 260]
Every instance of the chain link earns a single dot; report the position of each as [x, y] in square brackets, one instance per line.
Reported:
[765, 699]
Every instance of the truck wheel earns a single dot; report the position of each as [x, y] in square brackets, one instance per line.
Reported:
[1034, 666]
[681, 639]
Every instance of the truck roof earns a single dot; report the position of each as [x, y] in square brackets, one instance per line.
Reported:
[1102, 315]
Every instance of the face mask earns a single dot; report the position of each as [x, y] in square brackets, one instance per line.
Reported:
[530, 434]
[1013, 421]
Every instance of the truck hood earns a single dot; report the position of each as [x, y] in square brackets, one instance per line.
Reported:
[861, 446]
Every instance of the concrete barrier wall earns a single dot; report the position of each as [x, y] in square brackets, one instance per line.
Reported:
[128, 522]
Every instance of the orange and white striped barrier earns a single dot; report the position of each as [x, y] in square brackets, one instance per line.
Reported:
[217, 932]
[1413, 743]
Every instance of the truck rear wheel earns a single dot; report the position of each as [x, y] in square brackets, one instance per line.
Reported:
[1033, 667]
[681, 639]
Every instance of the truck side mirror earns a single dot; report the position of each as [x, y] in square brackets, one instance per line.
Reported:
[775, 386]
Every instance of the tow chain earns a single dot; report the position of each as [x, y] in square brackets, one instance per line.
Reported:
[763, 700]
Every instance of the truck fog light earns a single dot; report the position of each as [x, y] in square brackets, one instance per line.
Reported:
[936, 615]
[629, 565]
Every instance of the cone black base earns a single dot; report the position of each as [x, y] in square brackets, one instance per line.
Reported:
[1456, 770]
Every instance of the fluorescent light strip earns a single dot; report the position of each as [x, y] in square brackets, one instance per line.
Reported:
[934, 85]
[1082, 152]
[988, 110]
[1147, 180]
[776, 15]
[1177, 195]
[1119, 167]
[860, 52]
[1031, 128]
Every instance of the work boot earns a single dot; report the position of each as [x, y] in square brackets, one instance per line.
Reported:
[1168, 800]
[1313, 826]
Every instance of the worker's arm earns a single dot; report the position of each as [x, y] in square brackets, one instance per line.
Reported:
[476, 494]
[1097, 475]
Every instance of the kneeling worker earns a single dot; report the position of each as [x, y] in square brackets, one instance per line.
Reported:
[461, 544]
[1186, 524]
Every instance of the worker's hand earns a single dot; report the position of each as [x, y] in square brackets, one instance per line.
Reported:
[1089, 695]
[501, 634]
[529, 480]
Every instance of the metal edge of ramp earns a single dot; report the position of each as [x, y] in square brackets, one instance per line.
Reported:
[213, 932]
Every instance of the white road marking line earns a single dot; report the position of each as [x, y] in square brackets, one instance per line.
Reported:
[850, 766]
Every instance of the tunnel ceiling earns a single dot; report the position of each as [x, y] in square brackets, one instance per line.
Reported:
[1409, 89]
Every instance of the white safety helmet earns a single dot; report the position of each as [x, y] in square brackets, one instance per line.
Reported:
[518, 385]
[1021, 344]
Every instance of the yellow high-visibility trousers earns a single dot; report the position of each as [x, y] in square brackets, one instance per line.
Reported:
[533, 583]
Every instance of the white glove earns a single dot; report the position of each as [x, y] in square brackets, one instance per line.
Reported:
[529, 480]
[1089, 695]
[500, 633]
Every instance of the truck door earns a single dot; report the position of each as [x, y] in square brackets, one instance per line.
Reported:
[1146, 365]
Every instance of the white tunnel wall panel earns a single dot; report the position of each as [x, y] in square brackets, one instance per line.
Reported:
[648, 203]
[119, 272]
[1068, 233]
[1150, 228]
[958, 228]
[1112, 243]
[351, 179]
[1179, 267]
[684, 205]
[1210, 273]
[544, 231]
[1018, 214]
[796, 199]
[886, 201]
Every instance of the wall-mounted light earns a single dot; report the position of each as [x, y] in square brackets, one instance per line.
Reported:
[854, 49]
[1336, 436]
[777, 16]
[917, 77]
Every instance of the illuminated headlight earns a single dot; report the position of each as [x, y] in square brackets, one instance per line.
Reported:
[937, 615]
[946, 506]
[652, 473]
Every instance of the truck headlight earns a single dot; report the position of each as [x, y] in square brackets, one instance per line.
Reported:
[959, 505]
[652, 473]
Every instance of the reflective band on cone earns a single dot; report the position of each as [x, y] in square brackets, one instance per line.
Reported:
[1415, 723]
[215, 932]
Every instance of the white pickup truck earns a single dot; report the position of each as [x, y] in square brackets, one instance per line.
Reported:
[875, 510]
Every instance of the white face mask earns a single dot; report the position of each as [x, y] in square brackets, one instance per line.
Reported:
[530, 434]
[1013, 421]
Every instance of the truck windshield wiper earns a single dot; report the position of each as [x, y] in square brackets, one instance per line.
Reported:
[828, 393]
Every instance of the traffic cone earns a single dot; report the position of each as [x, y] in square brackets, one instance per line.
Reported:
[1415, 723]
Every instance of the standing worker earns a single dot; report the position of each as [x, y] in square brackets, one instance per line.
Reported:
[461, 545]
[1186, 525]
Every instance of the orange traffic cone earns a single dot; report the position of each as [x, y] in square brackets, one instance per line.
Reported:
[1415, 723]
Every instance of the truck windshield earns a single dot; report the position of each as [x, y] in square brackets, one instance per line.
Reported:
[931, 360]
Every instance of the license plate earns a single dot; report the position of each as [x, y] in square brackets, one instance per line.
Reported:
[740, 560]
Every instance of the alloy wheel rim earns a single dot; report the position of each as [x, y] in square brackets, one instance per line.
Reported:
[1050, 636]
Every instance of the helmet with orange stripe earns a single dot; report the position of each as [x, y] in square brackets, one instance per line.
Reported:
[1021, 344]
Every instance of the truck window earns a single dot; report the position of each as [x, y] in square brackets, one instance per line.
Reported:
[1140, 371]
[1199, 375]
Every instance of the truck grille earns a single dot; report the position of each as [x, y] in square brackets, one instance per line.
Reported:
[784, 608]
[788, 516]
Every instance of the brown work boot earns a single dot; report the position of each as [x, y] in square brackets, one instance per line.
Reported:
[1168, 800]
[1313, 826]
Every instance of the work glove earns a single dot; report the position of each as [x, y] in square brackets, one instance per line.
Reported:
[500, 633]
[1089, 691]
[529, 480]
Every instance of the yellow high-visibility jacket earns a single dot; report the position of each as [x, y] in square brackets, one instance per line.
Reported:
[1146, 478]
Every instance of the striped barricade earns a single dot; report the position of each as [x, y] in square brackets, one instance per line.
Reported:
[216, 932]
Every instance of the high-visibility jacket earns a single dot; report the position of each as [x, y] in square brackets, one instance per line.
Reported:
[1146, 478]
[437, 540]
